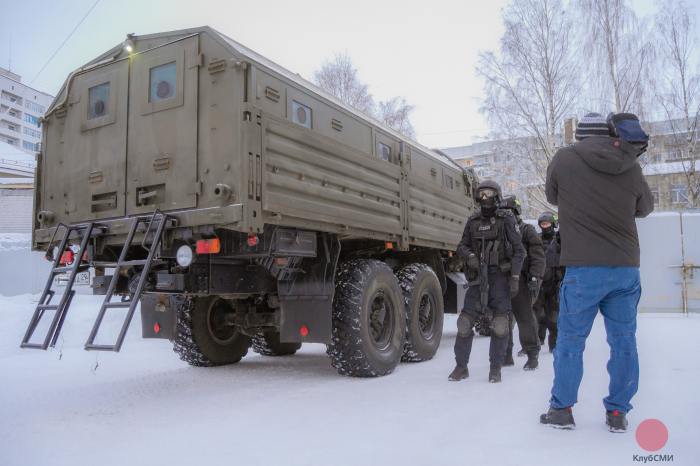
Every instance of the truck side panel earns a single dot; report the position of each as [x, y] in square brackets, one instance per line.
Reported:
[314, 178]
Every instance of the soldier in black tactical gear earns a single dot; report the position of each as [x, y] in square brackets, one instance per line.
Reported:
[547, 305]
[493, 253]
[528, 291]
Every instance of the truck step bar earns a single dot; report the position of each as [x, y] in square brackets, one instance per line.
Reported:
[156, 225]
[132, 300]
[84, 232]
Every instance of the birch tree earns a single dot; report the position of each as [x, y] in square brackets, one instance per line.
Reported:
[617, 47]
[678, 87]
[531, 86]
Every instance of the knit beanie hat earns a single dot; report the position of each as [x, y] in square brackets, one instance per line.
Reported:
[592, 124]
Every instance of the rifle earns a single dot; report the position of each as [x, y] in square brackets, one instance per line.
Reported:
[484, 280]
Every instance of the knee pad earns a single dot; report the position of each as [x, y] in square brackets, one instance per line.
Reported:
[500, 326]
[465, 322]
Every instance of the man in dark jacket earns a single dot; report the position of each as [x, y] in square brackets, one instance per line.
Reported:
[493, 252]
[599, 188]
[530, 281]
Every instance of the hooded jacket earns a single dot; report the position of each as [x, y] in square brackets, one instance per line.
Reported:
[600, 190]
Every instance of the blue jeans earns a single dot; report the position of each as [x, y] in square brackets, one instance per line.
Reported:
[615, 291]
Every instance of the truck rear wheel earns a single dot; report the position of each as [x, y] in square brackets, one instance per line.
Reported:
[268, 344]
[203, 338]
[369, 320]
[424, 311]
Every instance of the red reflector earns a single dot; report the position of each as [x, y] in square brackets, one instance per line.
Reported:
[252, 240]
[303, 330]
[156, 327]
[67, 257]
[208, 246]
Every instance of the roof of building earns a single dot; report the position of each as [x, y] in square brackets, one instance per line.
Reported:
[18, 79]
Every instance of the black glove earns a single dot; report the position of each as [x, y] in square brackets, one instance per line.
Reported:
[514, 285]
[533, 285]
[473, 262]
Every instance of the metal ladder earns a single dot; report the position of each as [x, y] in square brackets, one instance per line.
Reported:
[84, 233]
[133, 299]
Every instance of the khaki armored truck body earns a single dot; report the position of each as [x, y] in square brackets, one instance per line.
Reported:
[239, 203]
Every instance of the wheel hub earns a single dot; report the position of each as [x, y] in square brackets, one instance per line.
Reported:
[381, 320]
[218, 324]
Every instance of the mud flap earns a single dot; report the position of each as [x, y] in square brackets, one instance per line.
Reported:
[306, 297]
[158, 316]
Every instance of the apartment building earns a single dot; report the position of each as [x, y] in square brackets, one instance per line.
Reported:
[21, 107]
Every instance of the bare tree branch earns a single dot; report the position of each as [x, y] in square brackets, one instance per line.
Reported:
[338, 77]
[530, 87]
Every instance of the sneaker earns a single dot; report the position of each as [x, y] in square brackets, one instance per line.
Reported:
[459, 373]
[531, 363]
[559, 418]
[616, 421]
[521, 353]
[495, 375]
[508, 361]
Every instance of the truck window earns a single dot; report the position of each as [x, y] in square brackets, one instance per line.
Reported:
[384, 151]
[163, 82]
[301, 114]
[98, 101]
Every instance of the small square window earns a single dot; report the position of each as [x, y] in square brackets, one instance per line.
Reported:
[98, 101]
[384, 151]
[163, 82]
[301, 114]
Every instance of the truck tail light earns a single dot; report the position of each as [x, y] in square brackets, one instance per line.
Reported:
[67, 258]
[252, 240]
[208, 246]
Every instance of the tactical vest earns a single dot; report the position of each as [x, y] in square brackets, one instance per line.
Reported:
[488, 237]
[552, 252]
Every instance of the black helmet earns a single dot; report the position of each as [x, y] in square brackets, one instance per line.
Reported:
[511, 202]
[489, 185]
[548, 217]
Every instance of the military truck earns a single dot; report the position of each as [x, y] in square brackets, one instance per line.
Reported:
[242, 207]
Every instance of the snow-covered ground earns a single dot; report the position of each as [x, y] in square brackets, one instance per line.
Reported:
[145, 406]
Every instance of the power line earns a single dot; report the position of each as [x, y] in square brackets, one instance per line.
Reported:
[65, 40]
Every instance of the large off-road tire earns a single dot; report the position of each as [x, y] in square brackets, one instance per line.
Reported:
[268, 344]
[369, 320]
[422, 296]
[201, 337]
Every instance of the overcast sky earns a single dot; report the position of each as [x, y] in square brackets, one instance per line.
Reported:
[423, 50]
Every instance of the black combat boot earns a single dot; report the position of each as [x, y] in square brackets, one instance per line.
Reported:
[508, 361]
[558, 418]
[531, 363]
[495, 375]
[521, 353]
[459, 373]
[616, 421]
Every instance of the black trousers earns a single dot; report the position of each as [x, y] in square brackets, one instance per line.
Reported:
[499, 304]
[547, 312]
[527, 323]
